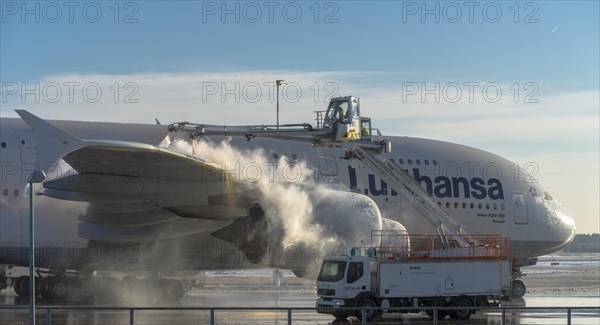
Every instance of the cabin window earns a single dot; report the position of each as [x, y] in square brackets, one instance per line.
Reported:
[294, 156]
[5, 192]
[337, 111]
[16, 192]
[435, 162]
[3, 145]
[410, 161]
[464, 205]
[472, 206]
[401, 161]
[426, 162]
[447, 205]
[418, 161]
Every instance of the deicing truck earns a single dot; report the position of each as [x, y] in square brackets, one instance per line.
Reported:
[427, 274]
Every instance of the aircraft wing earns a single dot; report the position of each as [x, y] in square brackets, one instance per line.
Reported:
[140, 160]
[135, 189]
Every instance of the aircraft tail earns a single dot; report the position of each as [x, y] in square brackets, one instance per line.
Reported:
[52, 142]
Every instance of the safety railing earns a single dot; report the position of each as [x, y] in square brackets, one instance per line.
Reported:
[290, 310]
[397, 244]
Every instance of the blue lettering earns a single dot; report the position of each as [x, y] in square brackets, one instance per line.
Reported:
[444, 188]
[440, 187]
[478, 191]
[496, 192]
[420, 180]
[352, 174]
[465, 185]
[373, 189]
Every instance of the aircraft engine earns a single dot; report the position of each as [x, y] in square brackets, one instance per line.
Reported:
[335, 221]
[394, 238]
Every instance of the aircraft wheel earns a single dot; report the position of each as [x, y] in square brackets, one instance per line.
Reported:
[22, 286]
[171, 290]
[57, 288]
[463, 314]
[518, 289]
[3, 283]
[370, 311]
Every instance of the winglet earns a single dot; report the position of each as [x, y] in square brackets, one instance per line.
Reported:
[53, 142]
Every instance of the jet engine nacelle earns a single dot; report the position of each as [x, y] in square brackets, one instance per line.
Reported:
[334, 222]
[394, 238]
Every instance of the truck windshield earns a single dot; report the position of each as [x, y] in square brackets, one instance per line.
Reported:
[332, 271]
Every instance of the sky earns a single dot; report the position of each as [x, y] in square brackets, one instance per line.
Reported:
[520, 79]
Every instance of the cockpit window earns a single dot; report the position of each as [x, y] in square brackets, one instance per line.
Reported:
[548, 197]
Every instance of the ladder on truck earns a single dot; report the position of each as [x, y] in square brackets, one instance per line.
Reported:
[401, 182]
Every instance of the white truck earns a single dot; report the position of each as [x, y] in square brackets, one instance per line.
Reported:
[377, 279]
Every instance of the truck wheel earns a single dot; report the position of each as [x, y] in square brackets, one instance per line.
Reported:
[370, 311]
[518, 289]
[464, 314]
[441, 314]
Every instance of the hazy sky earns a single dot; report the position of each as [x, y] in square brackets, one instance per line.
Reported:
[520, 79]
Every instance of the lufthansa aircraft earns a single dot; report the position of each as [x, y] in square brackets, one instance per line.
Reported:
[127, 198]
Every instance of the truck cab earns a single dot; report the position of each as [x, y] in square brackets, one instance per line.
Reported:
[344, 276]
[344, 281]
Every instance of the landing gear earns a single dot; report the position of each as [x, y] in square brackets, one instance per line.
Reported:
[60, 287]
[172, 290]
[21, 286]
[54, 288]
[3, 282]
[518, 289]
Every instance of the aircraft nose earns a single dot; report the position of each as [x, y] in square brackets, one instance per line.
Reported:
[566, 224]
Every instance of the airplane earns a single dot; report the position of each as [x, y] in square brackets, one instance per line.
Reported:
[162, 203]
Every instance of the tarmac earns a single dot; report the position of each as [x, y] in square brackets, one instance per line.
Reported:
[557, 281]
